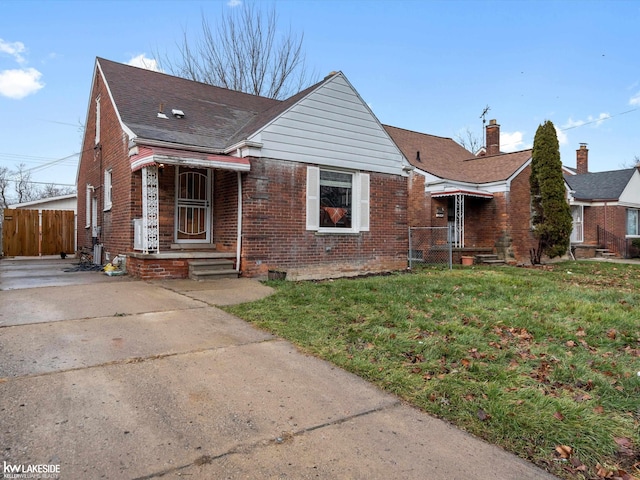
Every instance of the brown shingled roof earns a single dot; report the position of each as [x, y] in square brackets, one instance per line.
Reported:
[213, 116]
[446, 159]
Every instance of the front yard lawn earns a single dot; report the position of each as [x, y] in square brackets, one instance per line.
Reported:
[541, 361]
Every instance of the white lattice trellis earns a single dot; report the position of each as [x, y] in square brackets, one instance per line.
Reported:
[458, 240]
[150, 209]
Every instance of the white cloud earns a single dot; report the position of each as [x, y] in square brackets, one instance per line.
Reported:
[18, 84]
[601, 118]
[563, 139]
[21, 82]
[635, 100]
[234, 3]
[591, 120]
[571, 123]
[15, 49]
[144, 62]
[511, 142]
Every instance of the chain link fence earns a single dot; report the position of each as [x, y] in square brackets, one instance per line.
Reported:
[430, 245]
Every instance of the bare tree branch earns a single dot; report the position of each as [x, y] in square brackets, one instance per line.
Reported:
[631, 164]
[25, 189]
[469, 140]
[243, 51]
[4, 185]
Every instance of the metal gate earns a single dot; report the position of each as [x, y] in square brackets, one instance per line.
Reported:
[430, 245]
[32, 233]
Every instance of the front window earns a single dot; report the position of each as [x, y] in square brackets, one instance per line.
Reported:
[633, 229]
[337, 202]
[336, 199]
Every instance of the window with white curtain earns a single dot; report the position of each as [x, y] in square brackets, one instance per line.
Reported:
[632, 222]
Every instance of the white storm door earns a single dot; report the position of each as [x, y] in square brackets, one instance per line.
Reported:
[193, 205]
[577, 234]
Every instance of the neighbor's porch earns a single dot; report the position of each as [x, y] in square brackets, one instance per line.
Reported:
[470, 214]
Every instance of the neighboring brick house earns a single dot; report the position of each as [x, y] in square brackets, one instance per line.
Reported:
[485, 199]
[605, 208]
[173, 172]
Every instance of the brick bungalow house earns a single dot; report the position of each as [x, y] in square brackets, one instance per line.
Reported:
[176, 173]
[605, 208]
[485, 198]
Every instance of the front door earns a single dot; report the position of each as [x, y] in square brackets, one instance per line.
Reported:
[193, 205]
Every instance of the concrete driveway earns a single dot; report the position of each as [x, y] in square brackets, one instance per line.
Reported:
[122, 379]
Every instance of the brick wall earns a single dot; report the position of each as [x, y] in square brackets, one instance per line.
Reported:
[275, 235]
[150, 268]
[480, 222]
[110, 153]
[225, 203]
[612, 218]
[518, 211]
[418, 204]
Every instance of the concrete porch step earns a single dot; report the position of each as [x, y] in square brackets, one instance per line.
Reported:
[211, 269]
[604, 253]
[488, 259]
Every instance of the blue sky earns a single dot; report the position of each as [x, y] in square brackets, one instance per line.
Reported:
[429, 66]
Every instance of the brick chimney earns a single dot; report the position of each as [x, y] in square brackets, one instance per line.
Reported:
[582, 159]
[493, 138]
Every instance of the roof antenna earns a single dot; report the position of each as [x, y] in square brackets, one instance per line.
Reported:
[484, 120]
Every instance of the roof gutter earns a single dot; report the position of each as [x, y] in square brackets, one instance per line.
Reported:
[242, 144]
[178, 146]
[605, 200]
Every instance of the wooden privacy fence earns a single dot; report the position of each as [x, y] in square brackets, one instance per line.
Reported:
[30, 232]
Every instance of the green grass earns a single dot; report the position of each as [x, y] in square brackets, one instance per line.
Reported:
[529, 359]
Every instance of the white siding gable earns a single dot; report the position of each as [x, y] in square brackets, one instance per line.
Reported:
[332, 126]
[630, 196]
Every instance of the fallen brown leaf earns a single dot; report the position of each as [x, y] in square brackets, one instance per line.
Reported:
[558, 416]
[582, 397]
[603, 472]
[564, 451]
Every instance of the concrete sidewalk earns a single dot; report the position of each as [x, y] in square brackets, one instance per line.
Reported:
[143, 380]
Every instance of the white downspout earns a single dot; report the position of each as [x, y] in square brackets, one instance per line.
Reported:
[239, 239]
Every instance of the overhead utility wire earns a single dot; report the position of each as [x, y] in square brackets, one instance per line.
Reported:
[50, 164]
[598, 120]
[608, 117]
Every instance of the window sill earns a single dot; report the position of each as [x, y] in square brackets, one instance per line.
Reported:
[337, 231]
